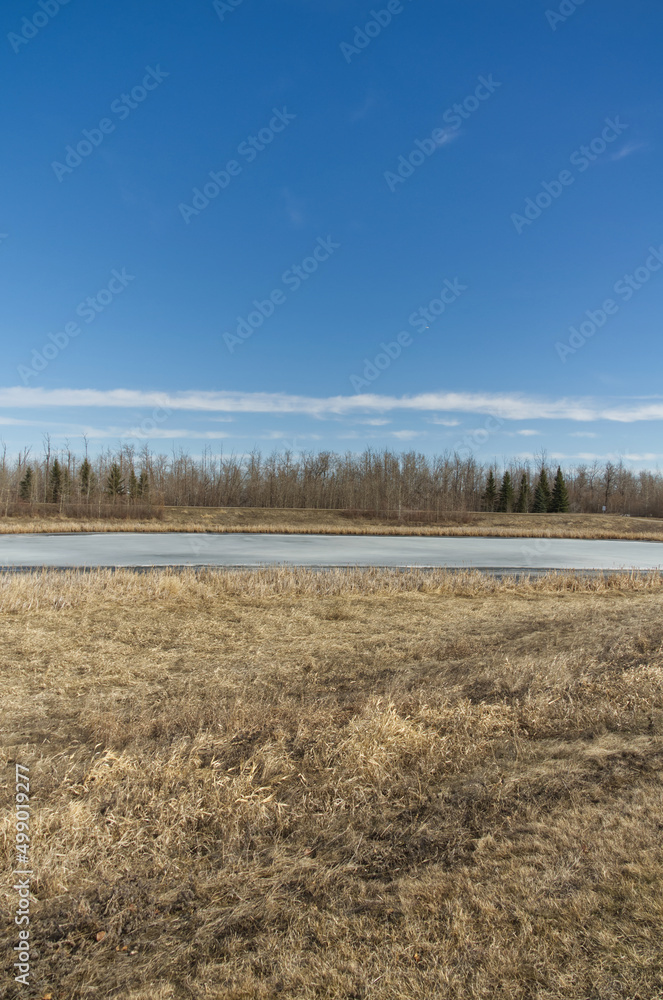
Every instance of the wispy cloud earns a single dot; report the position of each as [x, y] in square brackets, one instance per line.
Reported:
[508, 406]
[526, 432]
[284, 436]
[17, 422]
[583, 434]
[405, 435]
[611, 456]
[630, 147]
[160, 433]
[447, 135]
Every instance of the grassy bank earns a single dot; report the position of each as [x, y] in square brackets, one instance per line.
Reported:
[356, 784]
[333, 522]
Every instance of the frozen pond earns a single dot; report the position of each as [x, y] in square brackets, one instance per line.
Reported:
[180, 549]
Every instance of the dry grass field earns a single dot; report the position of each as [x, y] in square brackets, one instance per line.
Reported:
[355, 784]
[334, 522]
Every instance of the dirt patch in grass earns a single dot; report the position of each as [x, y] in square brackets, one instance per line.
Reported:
[357, 784]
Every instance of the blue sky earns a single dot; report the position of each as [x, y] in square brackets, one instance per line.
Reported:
[333, 224]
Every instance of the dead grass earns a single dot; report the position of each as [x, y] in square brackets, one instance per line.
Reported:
[356, 784]
[334, 522]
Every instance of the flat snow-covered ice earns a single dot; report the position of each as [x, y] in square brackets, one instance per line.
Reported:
[181, 549]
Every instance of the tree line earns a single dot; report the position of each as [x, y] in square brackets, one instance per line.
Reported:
[382, 481]
[546, 500]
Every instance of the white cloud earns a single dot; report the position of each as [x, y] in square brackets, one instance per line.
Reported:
[405, 435]
[162, 433]
[611, 456]
[583, 434]
[528, 433]
[284, 436]
[509, 406]
[114, 432]
[447, 135]
[17, 422]
[443, 422]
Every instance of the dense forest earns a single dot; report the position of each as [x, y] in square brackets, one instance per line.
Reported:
[382, 481]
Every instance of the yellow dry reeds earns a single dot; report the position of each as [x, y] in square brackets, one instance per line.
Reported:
[35, 590]
[307, 522]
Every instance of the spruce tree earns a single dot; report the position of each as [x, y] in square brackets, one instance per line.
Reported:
[66, 482]
[505, 498]
[522, 503]
[542, 495]
[85, 477]
[55, 483]
[143, 485]
[490, 493]
[25, 485]
[115, 481]
[559, 501]
[133, 486]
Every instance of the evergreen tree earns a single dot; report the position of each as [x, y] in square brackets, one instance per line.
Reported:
[542, 494]
[133, 486]
[143, 485]
[66, 482]
[522, 503]
[505, 498]
[55, 483]
[85, 477]
[490, 493]
[559, 501]
[115, 481]
[25, 486]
